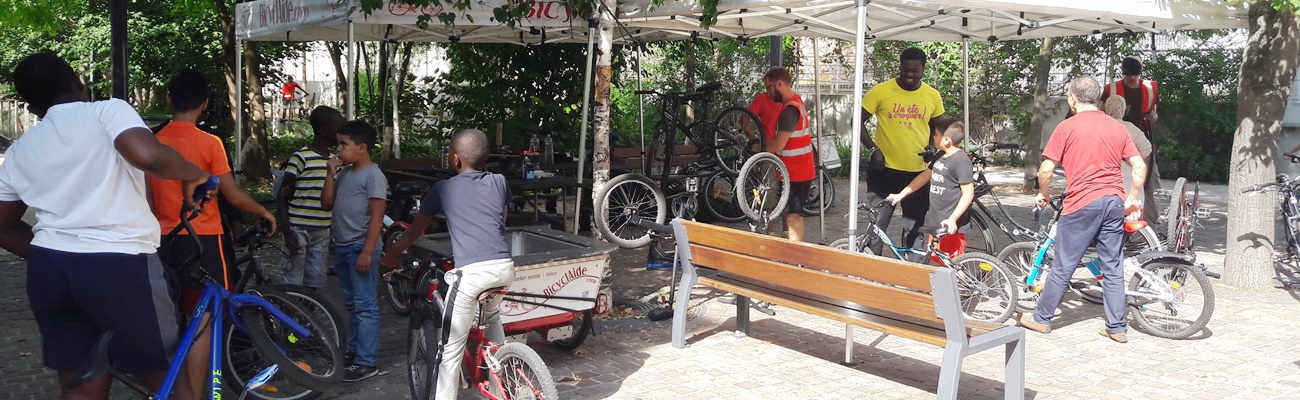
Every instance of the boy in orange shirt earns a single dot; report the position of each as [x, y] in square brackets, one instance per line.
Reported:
[187, 95]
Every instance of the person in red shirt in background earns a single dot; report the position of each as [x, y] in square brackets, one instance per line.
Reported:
[791, 140]
[767, 110]
[290, 91]
[1090, 146]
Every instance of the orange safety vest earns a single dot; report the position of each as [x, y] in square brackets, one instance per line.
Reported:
[1149, 90]
[798, 152]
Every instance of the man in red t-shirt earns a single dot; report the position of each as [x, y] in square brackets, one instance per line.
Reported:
[1090, 147]
[768, 111]
[290, 91]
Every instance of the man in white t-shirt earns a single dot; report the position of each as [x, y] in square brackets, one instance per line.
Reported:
[91, 262]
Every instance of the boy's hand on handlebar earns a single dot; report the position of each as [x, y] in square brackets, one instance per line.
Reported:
[947, 226]
[894, 199]
[188, 188]
[268, 220]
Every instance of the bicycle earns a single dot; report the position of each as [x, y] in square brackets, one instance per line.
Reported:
[500, 371]
[1289, 189]
[986, 289]
[981, 218]
[288, 344]
[1183, 217]
[823, 183]
[725, 140]
[1148, 293]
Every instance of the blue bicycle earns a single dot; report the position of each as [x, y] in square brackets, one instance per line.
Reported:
[281, 333]
[987, 291]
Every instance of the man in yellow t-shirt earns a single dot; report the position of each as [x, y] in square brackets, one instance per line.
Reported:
[903, 108]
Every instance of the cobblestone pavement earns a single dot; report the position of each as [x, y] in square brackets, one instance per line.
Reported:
[1250, 350]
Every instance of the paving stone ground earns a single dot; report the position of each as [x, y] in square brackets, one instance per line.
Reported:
[1250, 350]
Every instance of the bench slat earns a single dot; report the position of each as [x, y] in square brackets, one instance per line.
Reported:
[881, 269]
[901, 301]
[894, 327]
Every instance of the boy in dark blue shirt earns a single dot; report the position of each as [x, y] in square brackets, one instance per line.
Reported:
[474, 203]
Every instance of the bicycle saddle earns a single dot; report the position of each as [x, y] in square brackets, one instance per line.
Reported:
[1134, 226]
[495, 291]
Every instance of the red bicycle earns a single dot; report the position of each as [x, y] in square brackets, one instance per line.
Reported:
[500, 371]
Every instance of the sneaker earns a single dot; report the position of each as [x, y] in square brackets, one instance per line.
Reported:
[1027, 321]
[358, 373]
[1118, 337]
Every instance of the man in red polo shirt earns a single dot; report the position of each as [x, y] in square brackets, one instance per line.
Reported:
[1090, 147]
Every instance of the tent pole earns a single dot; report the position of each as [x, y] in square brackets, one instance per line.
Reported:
[582, 138]
[239, 105]
[352, 66]
[640, 105]
[965, 82]
[817, 138]
[859, 48]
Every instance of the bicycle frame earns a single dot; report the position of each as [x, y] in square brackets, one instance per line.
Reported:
[1163, 292]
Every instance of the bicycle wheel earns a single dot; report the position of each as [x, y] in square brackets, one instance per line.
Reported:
[523, 374]
[243, 360]
[424, 330]
[763, 187]
[399, 286]
[626, 198]
[1191, 306]
[978, 237]
[984, 287]
[1019, 260]
[581, 328]
[719, 194]
[1175, 213]
[812, 205]
[313, 361]
[731, 137]
[861, 244]
[1142, 241]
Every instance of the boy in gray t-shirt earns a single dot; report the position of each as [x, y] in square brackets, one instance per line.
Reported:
[357, 197]
[951, 185]
[474, 202]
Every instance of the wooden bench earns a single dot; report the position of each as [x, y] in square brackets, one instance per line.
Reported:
[913, 301]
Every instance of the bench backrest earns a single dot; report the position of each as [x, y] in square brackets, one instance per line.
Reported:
[886, 284]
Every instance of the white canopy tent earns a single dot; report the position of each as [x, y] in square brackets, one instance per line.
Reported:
[910, 20]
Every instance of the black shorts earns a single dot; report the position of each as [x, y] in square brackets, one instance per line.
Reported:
[798, 196]
[216, 262]
[77, 296]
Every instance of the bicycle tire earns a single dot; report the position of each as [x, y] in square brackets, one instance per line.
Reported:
[272, 340]
[243, 360]
[989, 276]
[843, 244]
[635, 236]
[1147, 320]
[1018, 258]
[760, 166]
[1173, 215]
[523, 371]
[812, 205]
[399, 289]
[978, 228]
[719, 193]
[582, 328]
[423, 333]
[728, 130]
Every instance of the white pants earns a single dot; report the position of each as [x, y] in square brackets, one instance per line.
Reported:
[474, 279]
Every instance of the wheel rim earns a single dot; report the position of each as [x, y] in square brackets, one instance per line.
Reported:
[762, 192]
[630, 200]
[243, 362]
[1176, 316]
[520, 381]
[423, 344]
[311, 354]
[983, 290]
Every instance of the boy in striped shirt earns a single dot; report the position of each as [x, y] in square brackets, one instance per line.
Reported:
[299, 203]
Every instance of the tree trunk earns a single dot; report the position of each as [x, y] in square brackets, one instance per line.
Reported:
[600, 121]
[225, 17]
[341, 80]
[1267, 68]
[257, 166]
[1034, 140]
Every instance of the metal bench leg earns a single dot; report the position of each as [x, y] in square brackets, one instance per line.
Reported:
[1015, 375]
[950, 372]
[848, 344]
[683, 289]
[742, 316]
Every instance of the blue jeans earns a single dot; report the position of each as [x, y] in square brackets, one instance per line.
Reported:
[359, 295]
[1100, 222]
